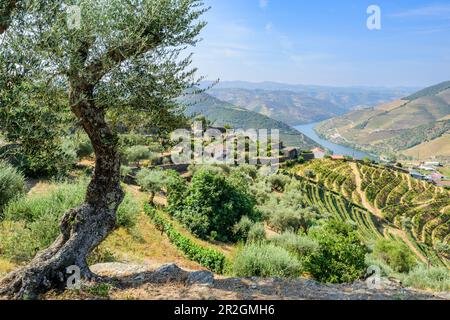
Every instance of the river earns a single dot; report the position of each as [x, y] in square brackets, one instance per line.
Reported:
[308, 130]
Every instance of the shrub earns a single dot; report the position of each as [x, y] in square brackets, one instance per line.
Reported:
[261, 191]
[442, 248]
[309, 173]
[214, 204]
[151, 181]
[265, 260]
[32, 223]
[435, 278]
[257, 233]
[284, 218]
[289, 213]
[125, 171]
[128, 212]
[396, 254]
[278, 181]
[60, 198]
[209, 258]
[176, 192]
[135, 154]
[340, 256]
[84, 147]
[193, 169]
[247, 169]
[12, 184]
[132, 139]
[300, 245]
[242, 228]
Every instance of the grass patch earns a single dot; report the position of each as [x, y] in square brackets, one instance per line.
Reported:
[31, 223]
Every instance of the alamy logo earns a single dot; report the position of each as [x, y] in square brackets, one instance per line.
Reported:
[74, 280]
[374, 20]
[374, 279]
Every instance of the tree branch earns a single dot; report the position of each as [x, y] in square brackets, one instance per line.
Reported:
[115, 56]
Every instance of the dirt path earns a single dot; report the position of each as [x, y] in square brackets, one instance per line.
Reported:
[378, 213]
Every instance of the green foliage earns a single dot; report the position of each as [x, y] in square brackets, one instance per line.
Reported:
[35, 121]
[209, 258]
[99, 289]
[12, 184]
[256, 233]
[247, 169]
[127, 140]
[125, 171]
[214, 204]
[176, 192]
[340, 256]
[135, 154]
[242, 228]
[300, 245]
[151, 180]
[422, 277]
[278, 181]
[265, 260]
[289, 212]
[31, 223]
[429, 91]
[213, 168]
[261, 191]
[396, 254]
[61, 197]
[128, 212]
[309, 173]
[83, 145]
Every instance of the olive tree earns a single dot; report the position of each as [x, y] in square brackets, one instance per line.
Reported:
[125, 57]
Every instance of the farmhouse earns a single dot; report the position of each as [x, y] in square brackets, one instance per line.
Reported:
[337, 157]
[318, 153]
[290, 153]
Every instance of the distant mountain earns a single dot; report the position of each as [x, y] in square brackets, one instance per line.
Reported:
[347, 98]
[222, 113]
[399, 126]
[287, 106]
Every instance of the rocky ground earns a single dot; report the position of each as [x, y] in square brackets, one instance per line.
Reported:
[167, 282]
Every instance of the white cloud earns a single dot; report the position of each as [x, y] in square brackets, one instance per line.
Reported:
[263, 4]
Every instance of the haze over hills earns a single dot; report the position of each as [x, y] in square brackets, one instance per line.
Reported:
[422, 118]
[286, 106]
[300, 104]
[223, 113]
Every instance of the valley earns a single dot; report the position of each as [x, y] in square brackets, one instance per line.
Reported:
[128, 173]
[400, 129]
[301, 104]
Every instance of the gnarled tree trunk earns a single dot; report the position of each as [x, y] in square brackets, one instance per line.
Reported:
[83, 228]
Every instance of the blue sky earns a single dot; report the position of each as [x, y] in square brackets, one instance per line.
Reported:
[326, 42]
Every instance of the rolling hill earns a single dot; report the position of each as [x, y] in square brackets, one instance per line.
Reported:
[287, 106]
[222, 113]
[397, 127]
[301, 104]
[382, 203]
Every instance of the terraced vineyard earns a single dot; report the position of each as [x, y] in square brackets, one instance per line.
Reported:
[382, 202]
[328, 201]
